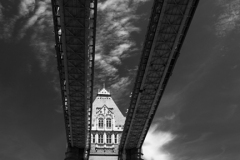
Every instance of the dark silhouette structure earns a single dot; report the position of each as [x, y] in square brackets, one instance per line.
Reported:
[75, 33]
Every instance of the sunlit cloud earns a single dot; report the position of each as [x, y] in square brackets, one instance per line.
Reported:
[40, 17]
[36, 18]
[7, 28]
[26, 7]
[229, 19]
[8, 24]
[153, 147]
[41, 20]
[114, 43]
[118, 50]
[1, 12]
[120, 87]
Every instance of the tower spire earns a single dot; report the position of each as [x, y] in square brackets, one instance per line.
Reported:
[103, 91]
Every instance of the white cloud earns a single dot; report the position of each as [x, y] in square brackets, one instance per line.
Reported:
[41, 16]
[170, 117]
[35, 16]
[121, 84]
[26, 6]
[114, 42]
[1, 12]
[7, 28]
[154, 143]
[115, 24]
[39, 23]
[24, 9]
[120, 87]
[118, 51]
[230, 18]
[115, 5]
[106, 68]
[8, 24]
[106, 62]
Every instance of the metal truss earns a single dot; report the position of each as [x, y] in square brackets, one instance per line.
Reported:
[75, 30]
[168, 26]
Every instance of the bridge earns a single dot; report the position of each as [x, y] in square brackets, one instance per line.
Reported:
[168, 26]
[75, 30]
[75, 34]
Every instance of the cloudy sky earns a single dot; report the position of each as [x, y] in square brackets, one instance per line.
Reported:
[198, 117]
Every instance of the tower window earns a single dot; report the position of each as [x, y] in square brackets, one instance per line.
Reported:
[100, 123]
[100, 138]
[93, 138]
[109, 138]
[115, 138]
[109, 123]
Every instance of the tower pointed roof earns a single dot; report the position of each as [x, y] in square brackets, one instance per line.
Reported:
[103, 92]
[104, 99]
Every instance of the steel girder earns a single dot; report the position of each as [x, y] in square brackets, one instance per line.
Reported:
[75, 30]
[168, 26]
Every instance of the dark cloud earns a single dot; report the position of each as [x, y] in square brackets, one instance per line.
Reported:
[198, 118]
[200, 106]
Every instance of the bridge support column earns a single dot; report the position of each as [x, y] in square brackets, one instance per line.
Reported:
[133, 154]
[74, 153]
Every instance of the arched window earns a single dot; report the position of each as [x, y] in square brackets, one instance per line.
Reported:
[109, 123]
[100, 122]
[100, 138]
[109, 138]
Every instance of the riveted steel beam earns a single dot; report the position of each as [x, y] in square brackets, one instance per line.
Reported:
[168, 26]
[75, 32]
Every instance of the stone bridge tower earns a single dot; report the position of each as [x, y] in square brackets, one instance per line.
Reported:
[107, 126]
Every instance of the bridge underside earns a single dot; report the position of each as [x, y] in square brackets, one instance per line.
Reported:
[168, 26]
[74, 27]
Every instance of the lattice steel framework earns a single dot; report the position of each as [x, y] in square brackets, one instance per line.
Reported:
[75, 30]
[168, 26]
